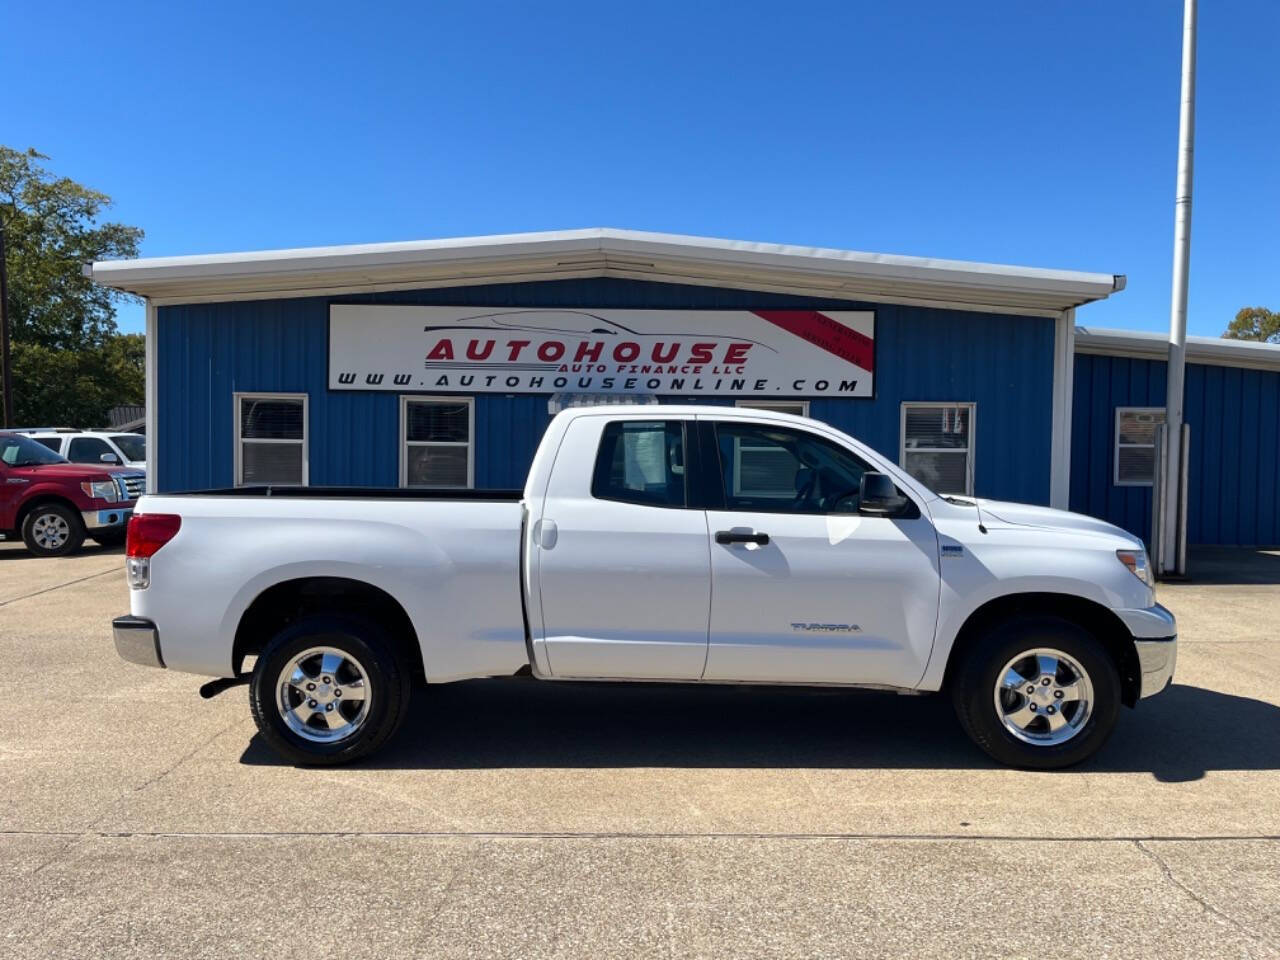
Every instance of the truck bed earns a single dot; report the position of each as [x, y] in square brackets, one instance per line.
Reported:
[449, 558]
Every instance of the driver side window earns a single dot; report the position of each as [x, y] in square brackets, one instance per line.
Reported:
[781, 470]
[89, 450]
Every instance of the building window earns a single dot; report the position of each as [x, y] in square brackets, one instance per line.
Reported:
[271, 439]
[566, 401]
[799, 408]
[937, 445]
[761, 460]
[436, 436]
[1136, 445]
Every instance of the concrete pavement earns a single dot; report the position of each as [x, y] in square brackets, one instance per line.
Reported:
[514, 818]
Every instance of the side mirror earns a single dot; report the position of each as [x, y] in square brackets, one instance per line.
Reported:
[109, 458]
[877, 496]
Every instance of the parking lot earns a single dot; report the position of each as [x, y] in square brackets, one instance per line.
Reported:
[528, 819]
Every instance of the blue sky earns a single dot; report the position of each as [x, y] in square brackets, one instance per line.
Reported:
[1029, 133]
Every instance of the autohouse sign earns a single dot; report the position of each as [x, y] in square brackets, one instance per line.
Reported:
[686, 352]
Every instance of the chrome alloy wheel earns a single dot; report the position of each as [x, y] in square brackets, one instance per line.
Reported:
[323, 695]
[50, 531]
[1043, 697]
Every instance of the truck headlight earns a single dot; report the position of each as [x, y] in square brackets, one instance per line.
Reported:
[1136, 561]
[101, 490]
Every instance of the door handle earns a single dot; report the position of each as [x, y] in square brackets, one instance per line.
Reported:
[545, 534]
[741, 536]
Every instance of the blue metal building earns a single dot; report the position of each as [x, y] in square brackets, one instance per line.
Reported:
[980, 381]
[1232, 405]
[208, 352]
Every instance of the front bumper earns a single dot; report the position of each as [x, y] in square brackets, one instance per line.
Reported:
[103, 519]
[1156, 660]
[1155, 636]
[137, 640]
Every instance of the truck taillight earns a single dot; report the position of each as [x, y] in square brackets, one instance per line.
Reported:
[148, 532]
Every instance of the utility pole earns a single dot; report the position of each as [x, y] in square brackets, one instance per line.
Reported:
[1168, 556]
[4, 334]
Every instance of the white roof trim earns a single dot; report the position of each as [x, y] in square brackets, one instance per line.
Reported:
[602, 252]
[1146, 345]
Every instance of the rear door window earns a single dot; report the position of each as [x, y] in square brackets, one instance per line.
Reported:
[642, 461]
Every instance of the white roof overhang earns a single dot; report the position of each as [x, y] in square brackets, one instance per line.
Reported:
[1144, 345]
[602, 252]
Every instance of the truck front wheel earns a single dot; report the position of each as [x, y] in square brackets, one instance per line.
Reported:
[52, 530]
[327, 690]
[1037, 692]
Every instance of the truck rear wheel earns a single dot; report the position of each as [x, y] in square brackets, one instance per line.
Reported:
[327, 690]
[52, 530]
[1038, 692]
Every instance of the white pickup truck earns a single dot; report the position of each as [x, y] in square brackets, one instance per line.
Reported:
[682, 544]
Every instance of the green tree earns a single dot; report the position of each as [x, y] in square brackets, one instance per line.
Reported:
[70, 364]
[1255, 323]
[77, 387]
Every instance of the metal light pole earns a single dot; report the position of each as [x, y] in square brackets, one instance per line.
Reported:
[7, 368]
[1168, 556]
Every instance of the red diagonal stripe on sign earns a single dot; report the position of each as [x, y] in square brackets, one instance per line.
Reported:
[829, 334]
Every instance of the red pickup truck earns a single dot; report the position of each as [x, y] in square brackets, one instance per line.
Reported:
[54, 504]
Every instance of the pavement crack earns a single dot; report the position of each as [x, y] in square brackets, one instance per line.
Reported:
[59, 586]
[150, 781]
[61, 853]
[443, 901]
[1204, 904]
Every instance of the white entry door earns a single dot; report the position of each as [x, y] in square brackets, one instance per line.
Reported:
[624, 571]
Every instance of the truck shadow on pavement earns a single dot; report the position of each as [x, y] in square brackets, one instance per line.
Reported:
[492, 724]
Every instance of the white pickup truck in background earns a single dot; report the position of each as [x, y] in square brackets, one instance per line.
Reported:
[684, 544]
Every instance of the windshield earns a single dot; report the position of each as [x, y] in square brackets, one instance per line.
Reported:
[132, 445]
[19, 451]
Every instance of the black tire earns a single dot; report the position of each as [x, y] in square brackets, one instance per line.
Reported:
[387, 688]
[43, 518]
[111, 538]
[973, 691]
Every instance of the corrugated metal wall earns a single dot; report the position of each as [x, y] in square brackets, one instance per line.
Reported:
[1232, 494]
[209, 351]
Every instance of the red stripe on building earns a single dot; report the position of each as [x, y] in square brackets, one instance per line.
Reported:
[829, 334]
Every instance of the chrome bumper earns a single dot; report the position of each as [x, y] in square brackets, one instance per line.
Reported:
[1156, 658]
[137, 640]
[111, 517]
